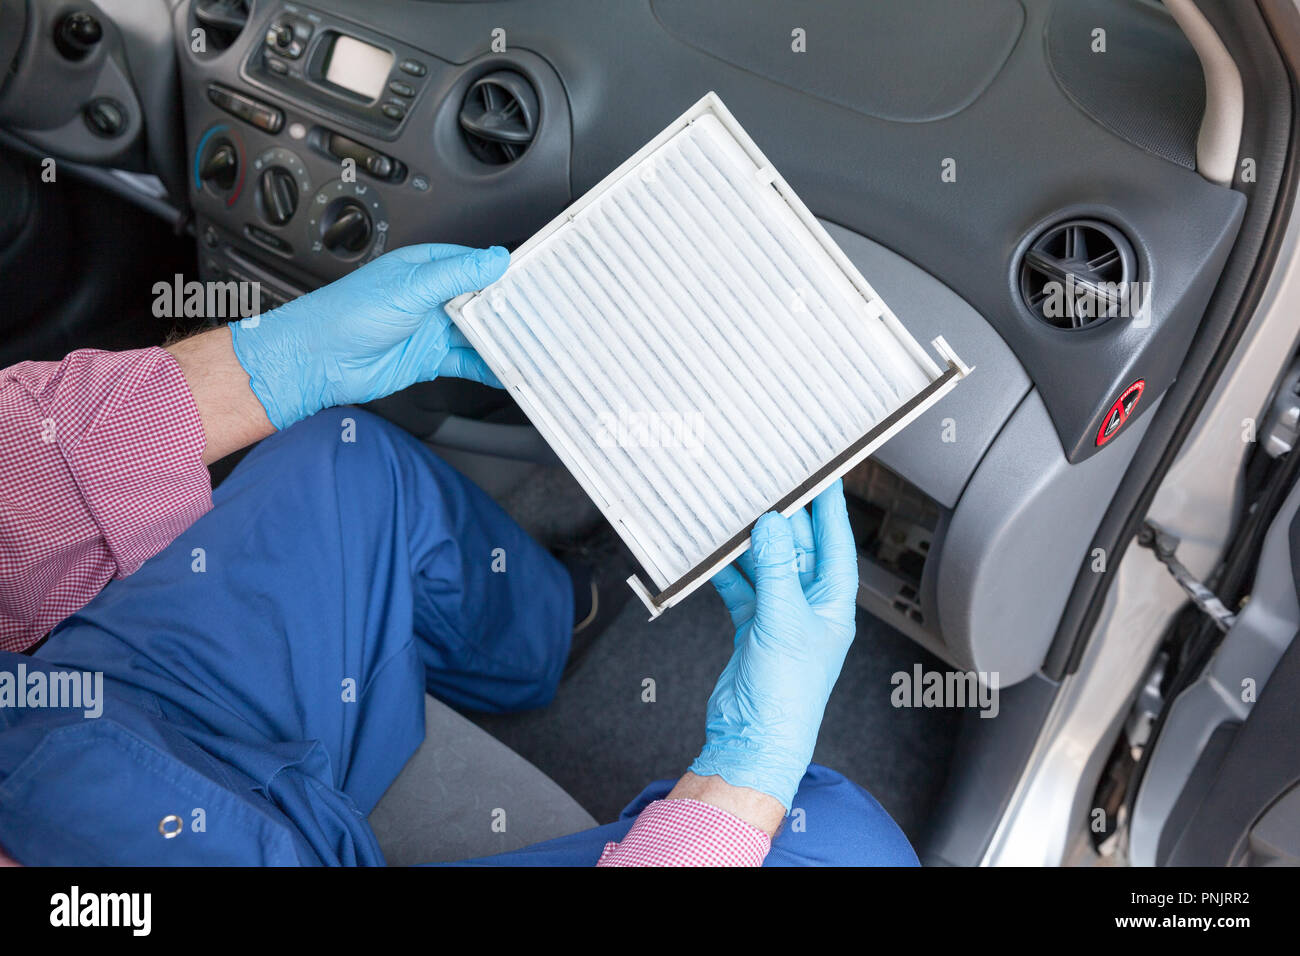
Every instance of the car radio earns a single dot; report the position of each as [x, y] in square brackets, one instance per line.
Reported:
[363, 79]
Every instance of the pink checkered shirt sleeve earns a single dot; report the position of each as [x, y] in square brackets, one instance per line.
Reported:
[101, 466]
[687, 833]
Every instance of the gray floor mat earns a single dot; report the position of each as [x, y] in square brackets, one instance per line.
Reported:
[551, 506]
[602, 743]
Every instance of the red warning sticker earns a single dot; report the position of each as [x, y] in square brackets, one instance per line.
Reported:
[1120, 411]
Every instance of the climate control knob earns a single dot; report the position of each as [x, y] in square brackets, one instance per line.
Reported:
[278, 194]
[346, 221]
[220, 167]
[346, 227]
[219, 164]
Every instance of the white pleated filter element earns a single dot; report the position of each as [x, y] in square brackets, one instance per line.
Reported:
[697, 350]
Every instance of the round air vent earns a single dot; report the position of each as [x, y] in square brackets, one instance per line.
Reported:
[221, 20]
[499, 117]
[1079, 273]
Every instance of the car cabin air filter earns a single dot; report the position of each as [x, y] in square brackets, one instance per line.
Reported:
[697, 350]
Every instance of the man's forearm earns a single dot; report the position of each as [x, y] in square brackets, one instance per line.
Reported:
[704, 821]
[232, 416]
[755, 808]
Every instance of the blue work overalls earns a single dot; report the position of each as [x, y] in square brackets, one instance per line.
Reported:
[264, 675]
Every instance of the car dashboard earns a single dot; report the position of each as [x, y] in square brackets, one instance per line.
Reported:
[956, 168]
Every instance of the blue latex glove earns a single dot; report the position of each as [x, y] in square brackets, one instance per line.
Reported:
[371, 333]
[792, 632]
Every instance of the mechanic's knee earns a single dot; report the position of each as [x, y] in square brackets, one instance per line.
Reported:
[360, 433]
[343, 442]
[834, 821]
[343, 423]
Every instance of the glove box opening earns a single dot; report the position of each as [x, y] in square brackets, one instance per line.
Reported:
[897, 528]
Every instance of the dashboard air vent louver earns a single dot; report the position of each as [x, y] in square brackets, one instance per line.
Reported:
[499, 117]
[1078, 274]
[222, 20]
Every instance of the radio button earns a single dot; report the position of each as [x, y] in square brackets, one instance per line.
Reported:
[401, 89]
[224, 99]
[372, 161]
[279, 35]
[413, 67]
[249, 110]
[377, 164]
[394, 111]
[286, 37]
[267, 119]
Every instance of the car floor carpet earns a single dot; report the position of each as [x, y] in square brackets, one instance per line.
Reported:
[633, 711]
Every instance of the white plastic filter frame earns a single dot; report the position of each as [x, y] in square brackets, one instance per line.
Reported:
[476, 314]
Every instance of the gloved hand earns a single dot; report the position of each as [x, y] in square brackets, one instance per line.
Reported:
[792, 632]
[371, 333]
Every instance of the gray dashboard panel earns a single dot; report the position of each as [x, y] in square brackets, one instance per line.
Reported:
[42, 101]
[941, 449]
[864, 152]
[461, 204]
[884, 60]
[1024, 154]
[1025, 157]
[1022, 529]
[146, 31]
[1152, 52]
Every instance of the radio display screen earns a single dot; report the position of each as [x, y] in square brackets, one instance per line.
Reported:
[358, 67]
